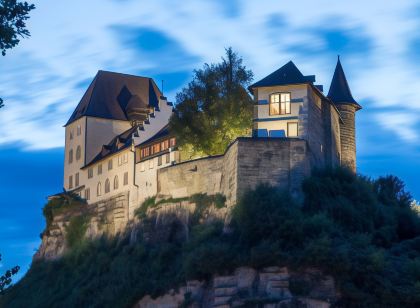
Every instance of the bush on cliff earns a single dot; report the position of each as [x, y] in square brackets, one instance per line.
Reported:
[362, 232]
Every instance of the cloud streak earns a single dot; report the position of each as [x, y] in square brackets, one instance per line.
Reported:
[45, 77]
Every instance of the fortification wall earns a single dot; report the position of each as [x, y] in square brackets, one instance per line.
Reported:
[280, 162]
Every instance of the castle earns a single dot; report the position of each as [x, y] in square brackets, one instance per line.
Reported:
[119, 150]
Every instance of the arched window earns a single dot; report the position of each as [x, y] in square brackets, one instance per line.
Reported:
[78, 152]
[116, 182]
[99, 189]
[70, 156]
[107, 186]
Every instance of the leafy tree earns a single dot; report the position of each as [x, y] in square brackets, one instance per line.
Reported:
[6, 279]
[214, 109]
[13, 15]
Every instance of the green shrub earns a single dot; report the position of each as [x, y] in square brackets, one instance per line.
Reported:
[361, 231]
[75, 230]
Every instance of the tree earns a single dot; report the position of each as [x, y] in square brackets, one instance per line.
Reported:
[214, 109]
[13, 15]
[6, 279]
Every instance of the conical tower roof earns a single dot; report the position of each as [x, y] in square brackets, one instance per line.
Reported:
[339, 91]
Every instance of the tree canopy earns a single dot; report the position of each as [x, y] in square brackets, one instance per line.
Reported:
[6, 279]
[214, 109]
[13, 15]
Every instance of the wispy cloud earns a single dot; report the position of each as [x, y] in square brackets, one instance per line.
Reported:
[43, 79]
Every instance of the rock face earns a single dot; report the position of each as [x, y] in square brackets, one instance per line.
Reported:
[270, 287]
[168, 221]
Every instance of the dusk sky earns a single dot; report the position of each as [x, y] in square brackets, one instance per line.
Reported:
[44, 77]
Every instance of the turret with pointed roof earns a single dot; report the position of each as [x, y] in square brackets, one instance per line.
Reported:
[340, 94]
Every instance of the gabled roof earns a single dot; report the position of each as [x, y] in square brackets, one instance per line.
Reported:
[164, 132]
[109, 94]
[287, 74]
[339, 91]
[118, 143]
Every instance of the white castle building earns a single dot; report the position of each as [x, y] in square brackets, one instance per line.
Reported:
[117, 139]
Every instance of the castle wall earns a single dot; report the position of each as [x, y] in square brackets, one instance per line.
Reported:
[75, 137]
[101, 131]
[348, 135]
[280, 162]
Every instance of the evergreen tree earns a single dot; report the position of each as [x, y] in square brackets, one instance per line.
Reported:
[214, 109]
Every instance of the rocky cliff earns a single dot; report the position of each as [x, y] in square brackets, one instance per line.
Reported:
[246, 287]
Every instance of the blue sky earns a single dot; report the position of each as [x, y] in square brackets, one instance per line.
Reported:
[43, 79]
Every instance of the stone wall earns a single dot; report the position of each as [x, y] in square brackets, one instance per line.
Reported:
[348, 135]
[280, 162]
[246, 287]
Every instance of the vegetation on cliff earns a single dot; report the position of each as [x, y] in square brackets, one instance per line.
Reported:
[363, 232]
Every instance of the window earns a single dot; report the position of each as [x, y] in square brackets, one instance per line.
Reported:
[100, 169]
[107, 186]
[87, 193]
[168, 158]
[292, 129]
[70, 156]
[79, 130]
[151, 164]
[160, 160]
[279, 103]
[76, 180]
[156, 148]
[70, 182]
[116, 182]
[172, 142]
[125, 158]
[78, 152]
[90, 173]
[166, 144]
[71, 135]
[99, 189]
[125, 178]
[110, 164]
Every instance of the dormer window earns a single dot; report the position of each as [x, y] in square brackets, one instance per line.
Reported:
[279, 103]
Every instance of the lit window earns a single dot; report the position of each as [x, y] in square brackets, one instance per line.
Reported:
[292, 129]
[116, 182]
[107, 186]
[100, 169]
[78, 152]
[70, 182]
[90, 173]
[156, 148]
[70, 156]
[99, 189]
[172, 142]
[79, 130]
[279, 103]
[76, 180]
[110, 164]
[125, 178]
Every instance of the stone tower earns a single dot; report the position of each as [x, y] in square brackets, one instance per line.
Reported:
[341, 96]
